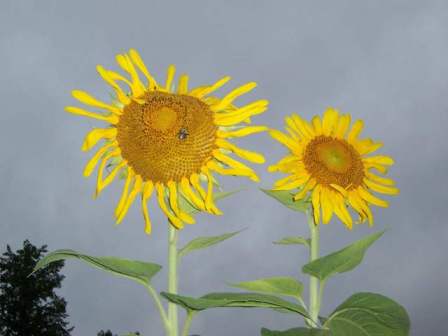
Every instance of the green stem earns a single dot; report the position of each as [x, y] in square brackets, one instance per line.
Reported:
[172, 279]
[187, 323]
[159, 305]
[314, 282]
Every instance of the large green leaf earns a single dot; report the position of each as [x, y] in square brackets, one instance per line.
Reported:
[369, 314]
[296, 332]
[136, 270]
[286, 198]
[341, 261]
[275, 285]
[187, 206]
[204, 242]
[226, 300]
[293, 241]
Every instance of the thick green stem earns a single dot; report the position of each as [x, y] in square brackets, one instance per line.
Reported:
[172, 279]
[187, 323]
[314, 282]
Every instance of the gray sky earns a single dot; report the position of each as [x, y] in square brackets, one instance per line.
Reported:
[383, 61]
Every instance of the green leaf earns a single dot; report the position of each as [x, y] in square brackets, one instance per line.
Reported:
[369, 314]
[204, 242]
[296, 332]
[139, 271]
[293, 241]
[341, 261]
[227, 300]
[275, 285]
[286, 198]
[188, 207]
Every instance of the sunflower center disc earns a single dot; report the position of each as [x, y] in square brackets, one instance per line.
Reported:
[333, 161]
[167, 137]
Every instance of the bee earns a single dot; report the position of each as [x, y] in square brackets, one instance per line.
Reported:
[183, 133]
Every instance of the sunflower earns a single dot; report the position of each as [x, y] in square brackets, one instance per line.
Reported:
[329, 163]
[166, 141]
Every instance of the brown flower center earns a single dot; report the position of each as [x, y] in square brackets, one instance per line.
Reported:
[333, 161]
[167, 137]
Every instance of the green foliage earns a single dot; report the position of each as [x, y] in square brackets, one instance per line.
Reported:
[276, 285]
[204, 242]
[369, 314]
[286, 198]
[227, 300]
[341, 261]
[28, 303]
[296, 332]
[293, 241]
[139, 271]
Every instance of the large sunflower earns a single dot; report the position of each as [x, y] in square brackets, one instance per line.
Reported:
[329, 162]
[165, 140]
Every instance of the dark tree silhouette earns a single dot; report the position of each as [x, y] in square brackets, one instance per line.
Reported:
[28, 304]
[106, 333]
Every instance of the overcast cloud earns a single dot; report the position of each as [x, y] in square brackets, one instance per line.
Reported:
[383, 61]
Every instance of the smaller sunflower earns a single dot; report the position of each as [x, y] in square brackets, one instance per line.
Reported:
[330, 162]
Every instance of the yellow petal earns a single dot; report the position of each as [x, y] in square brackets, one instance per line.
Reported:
[360, 206]
[307, 187]
[96, 135]
[286, 164]
[112, 119]
[241, 132]
[135, 190]
[125, 63]
[109, 178]
[169, 77]
[235, 164]
[240, 114]
[183, 84]
[285, 140]
[177, 223]
[378, 179]
[317, 124]
[99, 180]
[381, 188]
[371, 199]
[305, 128]
[341, 211]
[87, 99]
[367, 146]
[315, 200]
[378, 167]
[339, 188]
[173, 198]
[327, 205]
[329, 121]
[355, 131]
[209, 204]
[379, 159]
[118, 91]
[124, 193]
[148, 189]
[90, 166]
[135, 57]
[191, 195]
[295, 183]
[230, 97]
[200, 92]
[196, 183]
[342, 126]
[243, 153]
